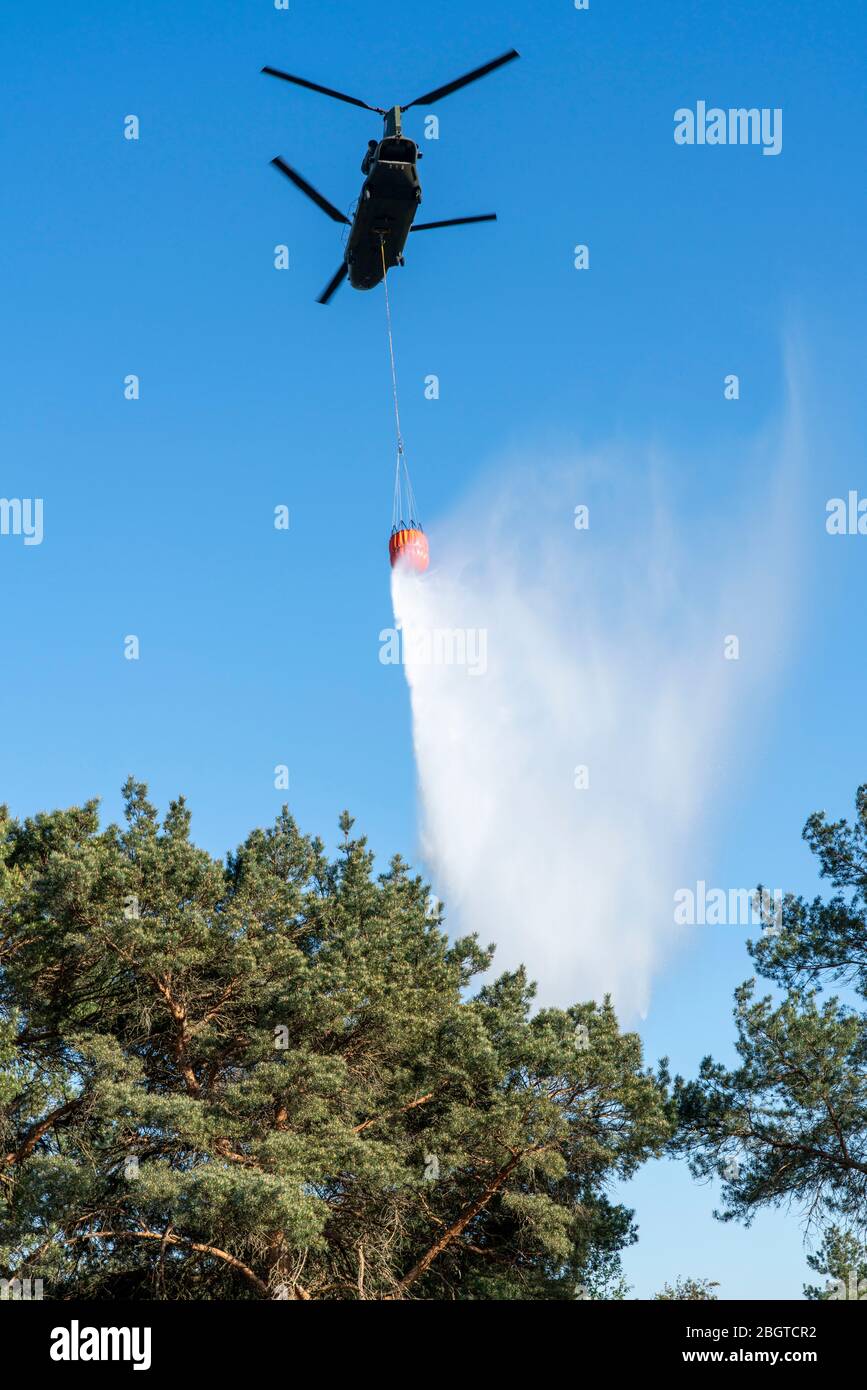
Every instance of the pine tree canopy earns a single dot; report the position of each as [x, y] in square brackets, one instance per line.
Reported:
[788, 1126]
[688, 1291]
[274, 1076]
[842, 1258]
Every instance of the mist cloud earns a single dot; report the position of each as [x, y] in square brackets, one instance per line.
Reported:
[604, 650]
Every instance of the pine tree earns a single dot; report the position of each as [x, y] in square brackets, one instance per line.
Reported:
[842, 1258]
[687, 1290]
[273, 1076]
[789, 1124]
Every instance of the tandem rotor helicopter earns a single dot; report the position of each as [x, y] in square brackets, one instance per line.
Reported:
[391, 192]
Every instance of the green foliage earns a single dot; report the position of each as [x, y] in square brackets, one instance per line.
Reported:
[269, 1077]
[789, 1124]
[842, 1258]
[687, 1290]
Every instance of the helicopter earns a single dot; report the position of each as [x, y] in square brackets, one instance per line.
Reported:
[391, 192]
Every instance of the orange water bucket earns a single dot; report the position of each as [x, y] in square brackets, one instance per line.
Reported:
[409, 546]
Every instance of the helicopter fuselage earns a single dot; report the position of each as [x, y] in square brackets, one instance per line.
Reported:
[387, 205]
[391, 192]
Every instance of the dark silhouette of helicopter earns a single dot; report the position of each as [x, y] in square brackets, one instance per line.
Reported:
[391, 191]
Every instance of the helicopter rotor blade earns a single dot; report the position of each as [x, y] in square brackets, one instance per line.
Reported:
[453, 222]
[333, 284]
[326, 91]
[312, 193]
[439, 92]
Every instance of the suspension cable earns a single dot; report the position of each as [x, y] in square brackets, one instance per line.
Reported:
[401, 467]
[391, 348]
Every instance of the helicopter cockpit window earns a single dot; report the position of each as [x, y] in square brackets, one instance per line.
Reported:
[397, 151]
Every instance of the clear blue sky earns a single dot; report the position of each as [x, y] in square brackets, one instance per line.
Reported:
[260, 647]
